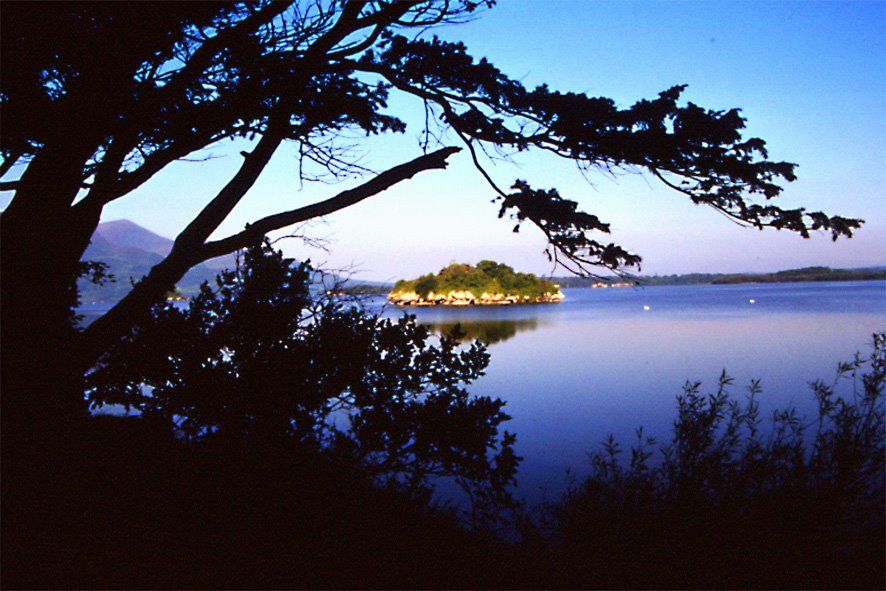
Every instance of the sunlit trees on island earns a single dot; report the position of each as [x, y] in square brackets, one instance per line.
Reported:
[489, 283]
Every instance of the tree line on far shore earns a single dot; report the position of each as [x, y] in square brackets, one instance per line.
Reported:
[805, 274]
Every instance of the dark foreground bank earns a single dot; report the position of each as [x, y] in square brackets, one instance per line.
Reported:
[117, 503]
[287, 443]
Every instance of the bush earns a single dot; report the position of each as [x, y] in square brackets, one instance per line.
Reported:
[258, 359]
[731, 504]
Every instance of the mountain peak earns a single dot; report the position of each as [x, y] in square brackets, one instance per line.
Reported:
[128, 234]
[130, 252]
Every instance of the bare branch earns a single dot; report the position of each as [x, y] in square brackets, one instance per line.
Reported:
[278, 124]
[153, 163]
[383, 181]
[253, 164]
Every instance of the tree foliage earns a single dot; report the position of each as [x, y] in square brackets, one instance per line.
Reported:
[89, 126]
[258, 359]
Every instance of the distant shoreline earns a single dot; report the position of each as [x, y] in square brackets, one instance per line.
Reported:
[804, 275]
[807, 275]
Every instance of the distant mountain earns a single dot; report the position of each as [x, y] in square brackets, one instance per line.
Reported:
[124, 233]
[130, 251]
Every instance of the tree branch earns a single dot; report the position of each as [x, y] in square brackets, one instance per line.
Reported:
[218, 209]
[380, 20]
[136, 305]
[153, 163]
[203, 55]
[380, 183]
[115, 187]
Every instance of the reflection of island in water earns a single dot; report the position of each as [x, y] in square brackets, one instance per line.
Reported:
[486, 331]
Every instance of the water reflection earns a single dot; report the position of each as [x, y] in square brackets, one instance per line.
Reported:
[610, 360]
[602, 363]
[487, 332]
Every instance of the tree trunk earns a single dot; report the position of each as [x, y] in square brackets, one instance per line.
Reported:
[42, 243]
[132, 310]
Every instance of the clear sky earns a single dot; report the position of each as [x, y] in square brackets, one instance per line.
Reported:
[809, 76]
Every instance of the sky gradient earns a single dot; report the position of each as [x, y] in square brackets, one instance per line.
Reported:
[810, 77]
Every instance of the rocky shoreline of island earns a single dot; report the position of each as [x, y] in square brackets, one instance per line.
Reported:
[467, 298]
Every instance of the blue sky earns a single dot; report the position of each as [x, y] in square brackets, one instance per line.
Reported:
[810, 78]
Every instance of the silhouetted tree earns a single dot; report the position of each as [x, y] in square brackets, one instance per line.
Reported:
[258, 360]
[99, 97]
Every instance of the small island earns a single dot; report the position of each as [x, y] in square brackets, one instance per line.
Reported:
[489, 283]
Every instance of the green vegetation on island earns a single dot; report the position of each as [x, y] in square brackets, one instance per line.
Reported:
[486, 283]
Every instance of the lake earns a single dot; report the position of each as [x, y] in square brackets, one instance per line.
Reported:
[610, 360]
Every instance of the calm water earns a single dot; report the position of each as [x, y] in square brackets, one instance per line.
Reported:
[601, 363]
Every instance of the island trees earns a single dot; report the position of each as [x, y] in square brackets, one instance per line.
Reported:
[98, 98]
[487, 283]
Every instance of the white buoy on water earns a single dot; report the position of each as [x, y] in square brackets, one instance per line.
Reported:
[646, 308]
[752, 301]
